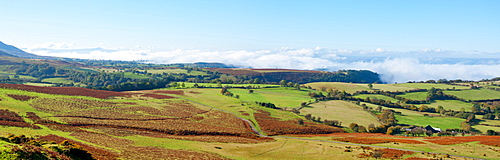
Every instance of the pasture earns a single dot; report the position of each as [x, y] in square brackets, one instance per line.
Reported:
[415, 95]
[57, 80]
[174, 71]
[475, 94]
[418, 119]
[376, 96]
[430, 85]
[451, 104]
[343, 111]
[348, 87]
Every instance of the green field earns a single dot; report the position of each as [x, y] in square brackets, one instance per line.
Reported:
[451, 104]
[376, 96]
[415, 95]
[281, 97]
[475, 94]
[160, 71]
[418, 119]
[343, 111]
[57, 80]
[39, 84]
[389, 87]
[353, 87]
[210, 85]
[135, 76]
[430, 85]
[348, 87]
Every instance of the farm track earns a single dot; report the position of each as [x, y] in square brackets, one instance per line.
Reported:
[326, 141]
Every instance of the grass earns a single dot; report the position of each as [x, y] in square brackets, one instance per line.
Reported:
[135, 76]
[282, 148]
[415, 95]
[451, 104]
[281, 97]
[343, 111]
[418, 118]
[160, 71]
[430, 85]
[348, 87]
[376, 96]
[212, 97]
[39, 84]
[353, 87]
[475, 94]
[189, 85]
[57, 80]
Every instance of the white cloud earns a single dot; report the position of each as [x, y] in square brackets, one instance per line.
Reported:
[411, 69]
[53, 45]
[399, 69]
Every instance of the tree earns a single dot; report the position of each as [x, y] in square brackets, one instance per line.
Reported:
[297, 86]
[372, 128]
[354, 127]
[489, 116]
[362, 129]
[370, 86]
[491, 133]
[308, 116]
[429, 133]
[283, 83]
[300, 122]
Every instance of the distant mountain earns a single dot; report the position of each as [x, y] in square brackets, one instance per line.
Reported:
[9, 50]
[4, 54]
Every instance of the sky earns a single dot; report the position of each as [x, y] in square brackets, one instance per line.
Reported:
[381, 36]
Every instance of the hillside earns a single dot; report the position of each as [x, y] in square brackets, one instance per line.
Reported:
[201, 122]
[16, 52]
[135, 110]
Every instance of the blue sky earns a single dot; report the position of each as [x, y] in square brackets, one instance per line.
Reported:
[401, 40]
[221, 25]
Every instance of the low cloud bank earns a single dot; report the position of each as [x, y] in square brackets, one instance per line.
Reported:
[393, 66]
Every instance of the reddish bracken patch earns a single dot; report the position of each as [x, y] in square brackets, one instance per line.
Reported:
[394, 154]
[21, 97]
[72, 91]
[97, 153]
[486, 140]
[157, 96]
[386, 153]
[273, 126]
[9, 118]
